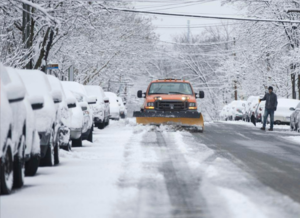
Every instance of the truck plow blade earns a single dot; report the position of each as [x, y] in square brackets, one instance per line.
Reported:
[182, 118]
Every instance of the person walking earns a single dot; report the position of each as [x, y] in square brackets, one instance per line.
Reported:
[270, 108]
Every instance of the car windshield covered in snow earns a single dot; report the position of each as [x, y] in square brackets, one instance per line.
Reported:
[170, 88]
[79, 97]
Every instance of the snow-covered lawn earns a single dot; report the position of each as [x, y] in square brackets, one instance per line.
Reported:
[144, 171]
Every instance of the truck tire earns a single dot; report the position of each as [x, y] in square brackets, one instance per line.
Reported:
[6, 172]
[56, 155]
[107, 122]
[32, 166]
[77, 142]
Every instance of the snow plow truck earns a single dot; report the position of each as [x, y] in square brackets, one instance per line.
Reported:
[170, 101]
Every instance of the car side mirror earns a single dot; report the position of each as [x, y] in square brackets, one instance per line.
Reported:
[15, 93]
[36, 101]
[83, 105]
[106, 100]
[92, 100]
[292, 109]
[140, 94]
[57, 96]
[71, 102]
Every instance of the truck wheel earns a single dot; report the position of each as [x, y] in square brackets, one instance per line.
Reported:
[56, 154]
[107, 122]
[48, 160]
[77, 142]
[90, 137]
[6, 172]
[32, 166]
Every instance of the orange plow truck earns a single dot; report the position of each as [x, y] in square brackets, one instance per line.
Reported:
[170, 101]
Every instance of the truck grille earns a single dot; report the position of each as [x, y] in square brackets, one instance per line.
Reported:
[171, 105]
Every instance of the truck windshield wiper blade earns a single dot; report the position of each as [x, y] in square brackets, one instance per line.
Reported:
[177, 93]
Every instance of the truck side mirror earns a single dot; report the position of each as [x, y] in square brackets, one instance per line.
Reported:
[140, 94]
[201, 94]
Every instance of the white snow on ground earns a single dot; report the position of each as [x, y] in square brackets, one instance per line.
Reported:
[83, 185]
[293, 139]
[121, 175]
[227, 189]
[258, 125]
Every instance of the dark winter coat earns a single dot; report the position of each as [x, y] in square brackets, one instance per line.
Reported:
[271, 101]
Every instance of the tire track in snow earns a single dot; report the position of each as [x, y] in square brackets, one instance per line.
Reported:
[182, 185]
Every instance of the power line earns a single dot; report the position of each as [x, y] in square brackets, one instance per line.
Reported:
[206, 16]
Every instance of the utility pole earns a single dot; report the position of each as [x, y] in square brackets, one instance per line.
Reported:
[299, 87]
[235, 82]
[293, 77]
[26, 31]
[189, 31]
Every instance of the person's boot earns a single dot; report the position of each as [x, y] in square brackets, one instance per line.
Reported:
[262, 128]
[270, 129]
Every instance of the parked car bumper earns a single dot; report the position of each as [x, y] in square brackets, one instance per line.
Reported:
[282, 120]
[75, 133]
[114, 116]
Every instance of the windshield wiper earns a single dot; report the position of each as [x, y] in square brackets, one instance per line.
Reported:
[177, 93]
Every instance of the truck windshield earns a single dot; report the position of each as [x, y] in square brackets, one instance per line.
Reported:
[170, 88]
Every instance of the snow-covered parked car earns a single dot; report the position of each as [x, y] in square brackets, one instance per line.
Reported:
[47, 122]
[285, 108]
[77, 120]
[101, 108]
[32, 141]
[122, 108]
[84, 101]
[64, 114]
[237, 110]
[12, 141]
[295, 118]
[224, 112]
[113, 105]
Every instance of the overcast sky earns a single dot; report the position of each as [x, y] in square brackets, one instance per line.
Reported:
[170, 26]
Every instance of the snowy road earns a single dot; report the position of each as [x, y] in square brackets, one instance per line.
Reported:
[136, 171]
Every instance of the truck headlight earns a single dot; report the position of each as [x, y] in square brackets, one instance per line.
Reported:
[150, 105]
[192, 104]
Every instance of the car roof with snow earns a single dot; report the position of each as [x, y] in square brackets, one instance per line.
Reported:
[35, 81]
[56, 84]
[77, 90]
[95, 90]
[13, 76]
[74, 87]
[111, 94]
[287, 103]
[252, 98]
